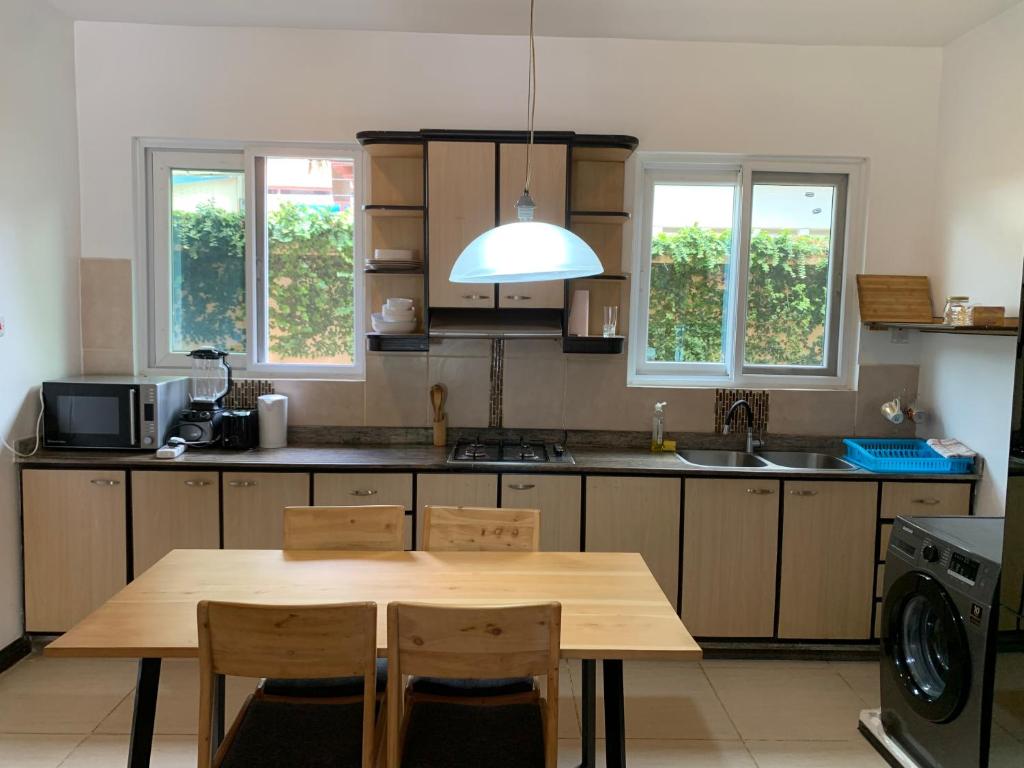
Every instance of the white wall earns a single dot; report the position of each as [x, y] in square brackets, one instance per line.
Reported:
[39, 245]
[278, 84]
[979, 239]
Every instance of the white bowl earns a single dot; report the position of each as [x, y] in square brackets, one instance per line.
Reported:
[395, 254]
[394, 302]
[397, 315]
[380, 325]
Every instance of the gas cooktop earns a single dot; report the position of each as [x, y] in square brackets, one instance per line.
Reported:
[483, 451]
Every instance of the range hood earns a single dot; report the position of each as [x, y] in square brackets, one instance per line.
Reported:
[495, 324]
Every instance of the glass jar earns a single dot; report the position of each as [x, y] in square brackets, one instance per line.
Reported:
[956, 310]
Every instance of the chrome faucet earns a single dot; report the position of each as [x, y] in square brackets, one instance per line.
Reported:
[727, 426]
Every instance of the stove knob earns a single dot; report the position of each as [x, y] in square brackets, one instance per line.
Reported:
[930, 553]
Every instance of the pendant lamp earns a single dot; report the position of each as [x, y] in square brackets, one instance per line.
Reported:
[527, 250]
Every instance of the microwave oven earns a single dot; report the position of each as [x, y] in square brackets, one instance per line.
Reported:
[117, 412]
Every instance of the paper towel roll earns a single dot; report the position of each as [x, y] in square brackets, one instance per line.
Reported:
[273, 410]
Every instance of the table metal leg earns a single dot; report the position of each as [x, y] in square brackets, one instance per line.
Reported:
[614, 715]
[144, 713]
[589, 714]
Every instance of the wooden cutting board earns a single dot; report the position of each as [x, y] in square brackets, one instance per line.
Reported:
[895, 299]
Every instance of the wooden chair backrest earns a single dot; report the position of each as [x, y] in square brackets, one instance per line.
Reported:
[291, 642]
[480, 529]
[376, 527]
[473, 643]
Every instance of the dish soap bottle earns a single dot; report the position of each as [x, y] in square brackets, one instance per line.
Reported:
[658, 428]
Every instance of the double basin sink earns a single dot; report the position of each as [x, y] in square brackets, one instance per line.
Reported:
[764, 460]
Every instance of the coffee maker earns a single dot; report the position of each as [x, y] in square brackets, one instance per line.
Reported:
[200, 423]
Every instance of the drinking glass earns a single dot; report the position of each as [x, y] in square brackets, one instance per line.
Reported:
[611, 321]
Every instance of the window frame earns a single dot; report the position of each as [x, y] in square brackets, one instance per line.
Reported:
[152, 315]
[650, 168]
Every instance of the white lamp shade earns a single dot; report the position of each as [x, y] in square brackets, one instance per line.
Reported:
[526, 251]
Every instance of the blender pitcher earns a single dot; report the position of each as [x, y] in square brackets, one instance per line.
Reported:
[211, 378]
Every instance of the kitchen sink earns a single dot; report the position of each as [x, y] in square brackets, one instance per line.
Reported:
[803, 460]
[711, 458]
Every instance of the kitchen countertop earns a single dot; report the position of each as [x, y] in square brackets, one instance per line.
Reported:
[428, 458]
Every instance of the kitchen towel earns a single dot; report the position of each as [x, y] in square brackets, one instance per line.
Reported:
[951, 448]
[273, 410]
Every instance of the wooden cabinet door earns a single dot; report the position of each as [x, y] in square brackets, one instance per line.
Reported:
[173, 510]
[254, 504]
[460, 189]
[558, 499]
[925, 499]
[547, 188]
[453, 490]
[352, 489]
[637, 514]
[75, 544]
[730, 549]
[828, 560]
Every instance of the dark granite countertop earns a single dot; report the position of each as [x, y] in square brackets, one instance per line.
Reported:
[589, 460]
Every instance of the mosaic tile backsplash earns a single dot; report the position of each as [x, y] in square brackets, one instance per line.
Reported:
[758, 400]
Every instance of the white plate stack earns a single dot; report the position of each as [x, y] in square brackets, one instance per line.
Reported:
[394, 260]
[398, 315]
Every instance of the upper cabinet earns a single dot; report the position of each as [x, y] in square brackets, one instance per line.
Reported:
[547, 188]
[460, 201]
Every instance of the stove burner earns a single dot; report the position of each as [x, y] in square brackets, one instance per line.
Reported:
[507, 452]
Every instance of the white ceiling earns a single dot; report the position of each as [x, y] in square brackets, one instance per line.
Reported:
[832, 22]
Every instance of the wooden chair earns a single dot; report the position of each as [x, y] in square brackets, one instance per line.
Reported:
[372, 527]
[289, 642]
[379, 528]
[480, 529]
[478, 643]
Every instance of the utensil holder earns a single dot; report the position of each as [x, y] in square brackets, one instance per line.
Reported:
[441, 433]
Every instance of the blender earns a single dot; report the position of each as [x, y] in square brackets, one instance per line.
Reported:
[200, 423]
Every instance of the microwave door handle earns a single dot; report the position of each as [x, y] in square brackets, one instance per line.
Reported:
[131, 414]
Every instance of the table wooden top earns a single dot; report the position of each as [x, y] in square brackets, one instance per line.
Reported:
[612, 607]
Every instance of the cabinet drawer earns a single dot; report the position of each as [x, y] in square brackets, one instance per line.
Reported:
[173, 510]
[74, 538]
[925, 499]
[557, 498]
[352, 489]
[254, 503]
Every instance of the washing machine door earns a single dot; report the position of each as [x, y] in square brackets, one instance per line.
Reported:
[925, 646]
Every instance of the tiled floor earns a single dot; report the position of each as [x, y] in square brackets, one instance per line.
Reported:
[722, 714]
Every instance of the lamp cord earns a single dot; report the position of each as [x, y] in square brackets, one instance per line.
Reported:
[531, 103]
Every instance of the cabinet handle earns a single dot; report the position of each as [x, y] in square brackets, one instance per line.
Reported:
[475, 296]
[196, 483]
[367, 492]
[760, 491]
[521, 486]
[517, 297]
[803, 493]
[242, 483]
[105, 483]
[926, 502]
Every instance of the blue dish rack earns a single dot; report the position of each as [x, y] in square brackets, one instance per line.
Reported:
[902, 455]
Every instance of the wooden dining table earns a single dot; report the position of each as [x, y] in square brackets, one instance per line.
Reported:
[612, 610]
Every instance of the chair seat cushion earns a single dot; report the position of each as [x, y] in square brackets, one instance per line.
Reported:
[443, 735]
[325, 687]
[443, 686]
[276, 734]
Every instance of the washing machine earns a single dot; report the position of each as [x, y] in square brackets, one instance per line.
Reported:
[939, 626]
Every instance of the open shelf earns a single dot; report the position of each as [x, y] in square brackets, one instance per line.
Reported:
[601, 217]
[398, 211]
[602, 276]
[957, 330]
[593, 345]
[397, 342]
